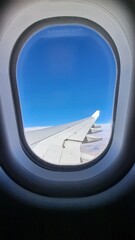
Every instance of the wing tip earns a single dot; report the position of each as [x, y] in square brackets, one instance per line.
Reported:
[96, 114]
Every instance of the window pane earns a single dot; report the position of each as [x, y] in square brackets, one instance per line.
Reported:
[66, 78]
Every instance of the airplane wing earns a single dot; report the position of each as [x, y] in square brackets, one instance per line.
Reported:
[61, 144]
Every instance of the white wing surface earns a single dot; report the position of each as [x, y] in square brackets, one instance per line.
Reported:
[61, 145]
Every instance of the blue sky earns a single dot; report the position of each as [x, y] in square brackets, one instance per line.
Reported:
[65, 73]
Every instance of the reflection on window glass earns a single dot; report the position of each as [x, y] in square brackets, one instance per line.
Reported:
[66, 78]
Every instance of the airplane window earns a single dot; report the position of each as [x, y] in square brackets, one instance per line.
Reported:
[66, 79]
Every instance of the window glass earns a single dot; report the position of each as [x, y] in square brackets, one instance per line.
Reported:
[66, 77]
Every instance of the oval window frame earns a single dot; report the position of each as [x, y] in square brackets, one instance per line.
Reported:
[27, 34]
